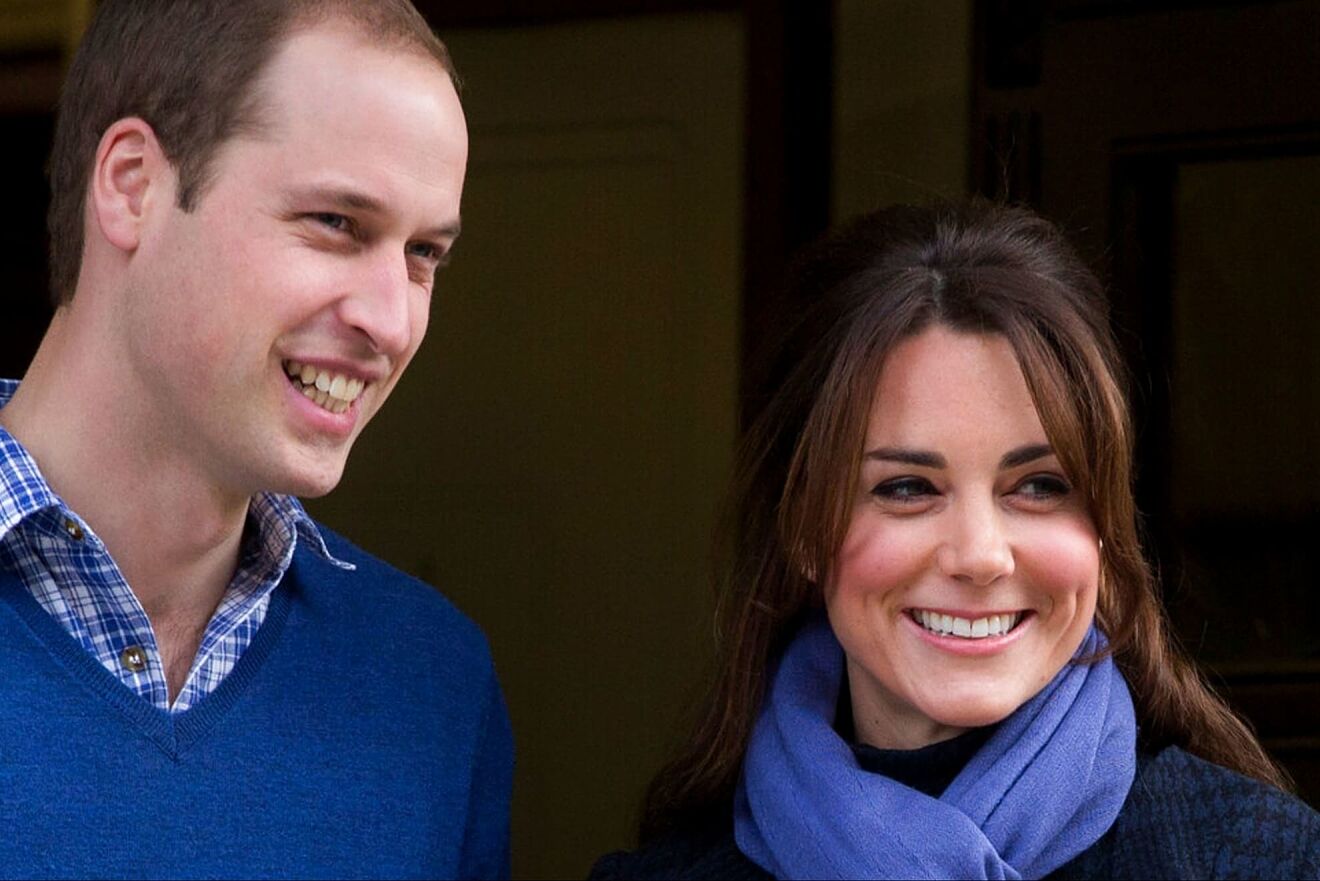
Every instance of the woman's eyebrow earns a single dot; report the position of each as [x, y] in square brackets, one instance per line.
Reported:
[926, 459]
[920, 458]
[1023, 455]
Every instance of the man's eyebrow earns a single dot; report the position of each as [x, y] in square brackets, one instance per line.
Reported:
[1023, 455]
[340, 197]
[920, 458]
[445, 231]
[356, 200]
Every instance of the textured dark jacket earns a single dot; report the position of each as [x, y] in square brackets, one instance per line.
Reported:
[1184, 818]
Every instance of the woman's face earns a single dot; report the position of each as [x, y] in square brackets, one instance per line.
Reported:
[969, 571]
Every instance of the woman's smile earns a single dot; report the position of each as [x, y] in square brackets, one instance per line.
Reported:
[967, 636]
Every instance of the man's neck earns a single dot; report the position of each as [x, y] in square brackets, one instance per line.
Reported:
[173, 532]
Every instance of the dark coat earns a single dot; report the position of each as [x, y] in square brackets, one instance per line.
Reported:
[1183, 818]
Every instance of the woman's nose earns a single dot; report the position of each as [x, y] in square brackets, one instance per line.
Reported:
[977, 548]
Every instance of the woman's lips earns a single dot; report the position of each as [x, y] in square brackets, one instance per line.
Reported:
[967, 635]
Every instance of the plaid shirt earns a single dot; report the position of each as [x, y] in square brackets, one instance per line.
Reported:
[68, 570]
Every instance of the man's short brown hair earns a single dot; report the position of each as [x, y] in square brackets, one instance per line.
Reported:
[188, 68]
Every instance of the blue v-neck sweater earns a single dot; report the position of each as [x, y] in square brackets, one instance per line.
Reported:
[362, 734]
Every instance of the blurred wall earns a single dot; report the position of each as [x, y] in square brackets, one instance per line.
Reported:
[902, 102]
[553, 459]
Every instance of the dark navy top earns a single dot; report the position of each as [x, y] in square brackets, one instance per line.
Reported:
[1183, 818]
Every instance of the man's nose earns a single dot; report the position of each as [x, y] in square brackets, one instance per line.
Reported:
[977, 548]
[378, 303]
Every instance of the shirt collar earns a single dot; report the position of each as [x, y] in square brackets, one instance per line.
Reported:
[284, 516]
[24, 491]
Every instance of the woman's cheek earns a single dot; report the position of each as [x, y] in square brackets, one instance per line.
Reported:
[1063, 559]
[1063, 564]
[878, 556]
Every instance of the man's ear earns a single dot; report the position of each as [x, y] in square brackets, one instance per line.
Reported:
[130, 176]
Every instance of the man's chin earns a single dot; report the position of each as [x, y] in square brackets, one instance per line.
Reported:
[310, 482]
[313, 492]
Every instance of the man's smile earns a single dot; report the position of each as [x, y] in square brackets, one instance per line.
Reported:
[331, 391]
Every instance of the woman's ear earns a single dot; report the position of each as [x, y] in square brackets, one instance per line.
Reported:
[128, 177]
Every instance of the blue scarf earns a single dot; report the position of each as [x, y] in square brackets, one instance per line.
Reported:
[1045, 786]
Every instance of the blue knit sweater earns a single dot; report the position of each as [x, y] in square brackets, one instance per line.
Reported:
[362, 734]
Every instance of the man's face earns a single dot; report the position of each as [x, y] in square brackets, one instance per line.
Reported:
[311, 252]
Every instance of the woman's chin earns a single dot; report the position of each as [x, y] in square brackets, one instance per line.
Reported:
[976, 713]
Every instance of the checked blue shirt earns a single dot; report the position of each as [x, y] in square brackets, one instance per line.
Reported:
[70, 573]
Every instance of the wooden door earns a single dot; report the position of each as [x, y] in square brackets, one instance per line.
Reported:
[1180, 142]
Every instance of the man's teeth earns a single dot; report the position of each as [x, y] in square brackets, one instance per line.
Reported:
[947, 625]
[333, 391]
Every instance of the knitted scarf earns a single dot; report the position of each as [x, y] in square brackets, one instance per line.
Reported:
[1045, 786]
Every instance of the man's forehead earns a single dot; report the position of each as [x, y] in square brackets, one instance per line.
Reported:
[325, 60]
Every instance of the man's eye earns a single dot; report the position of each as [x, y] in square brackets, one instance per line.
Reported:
[334, 221]
[904, 489]
[425, 250]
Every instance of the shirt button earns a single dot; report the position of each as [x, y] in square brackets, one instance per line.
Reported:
[134, 658]
[73, 529]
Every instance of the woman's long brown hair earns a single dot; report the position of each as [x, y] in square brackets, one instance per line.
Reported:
[977, 268]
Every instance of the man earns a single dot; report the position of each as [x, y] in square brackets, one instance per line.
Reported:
[250, 202]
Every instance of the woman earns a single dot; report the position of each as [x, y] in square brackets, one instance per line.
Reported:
[941, 653]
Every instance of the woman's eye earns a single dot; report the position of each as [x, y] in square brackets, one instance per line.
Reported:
[904, 489]
[1044, 486]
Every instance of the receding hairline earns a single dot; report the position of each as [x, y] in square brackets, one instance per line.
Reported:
[254, 119]
[353, 19]
[365, 22]
[318, 19]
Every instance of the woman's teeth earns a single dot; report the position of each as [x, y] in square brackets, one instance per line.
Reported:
[968, 628]
[330, 391]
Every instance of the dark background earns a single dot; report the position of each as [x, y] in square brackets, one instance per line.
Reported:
[1178, 142]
